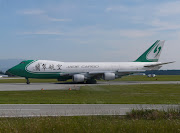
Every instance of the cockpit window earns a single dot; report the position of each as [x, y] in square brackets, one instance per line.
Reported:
[22, 62]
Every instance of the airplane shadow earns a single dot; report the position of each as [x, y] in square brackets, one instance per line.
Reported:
[70, 83]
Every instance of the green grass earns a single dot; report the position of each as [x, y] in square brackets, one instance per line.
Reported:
[149, 121]
[125, 78]
[153, 114]
[88, 124]
[111, 94]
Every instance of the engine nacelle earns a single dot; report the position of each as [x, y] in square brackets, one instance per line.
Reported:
[109, 76]
[78, 78]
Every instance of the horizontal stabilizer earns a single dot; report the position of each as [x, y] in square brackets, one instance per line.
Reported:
[159, 64]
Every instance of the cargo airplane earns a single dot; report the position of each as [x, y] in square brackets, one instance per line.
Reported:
[89, 72]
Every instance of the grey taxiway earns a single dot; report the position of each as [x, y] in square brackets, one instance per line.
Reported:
[65, 86]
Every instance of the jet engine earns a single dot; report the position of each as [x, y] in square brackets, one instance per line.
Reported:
[109, 76]
[78, 78]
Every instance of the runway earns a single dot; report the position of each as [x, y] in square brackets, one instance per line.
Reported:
[32, 110]
[66, 86]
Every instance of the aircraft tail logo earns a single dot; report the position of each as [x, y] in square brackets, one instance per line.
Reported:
[153, 53]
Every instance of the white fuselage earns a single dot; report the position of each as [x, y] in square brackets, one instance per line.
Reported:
[84, 67]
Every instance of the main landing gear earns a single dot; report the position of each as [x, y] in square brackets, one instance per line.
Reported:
[27, 81]
[91, 81]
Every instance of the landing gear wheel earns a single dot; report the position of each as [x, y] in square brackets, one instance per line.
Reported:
[91, 81]
[27, 81]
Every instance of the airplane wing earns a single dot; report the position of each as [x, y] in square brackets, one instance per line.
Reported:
[118, 73]
[159, 64]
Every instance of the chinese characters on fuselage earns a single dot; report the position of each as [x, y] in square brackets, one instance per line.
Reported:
[43, 66]
[39, 67]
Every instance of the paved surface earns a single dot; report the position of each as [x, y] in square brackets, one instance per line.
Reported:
[65, 86]
[30, 110]
[10, 78]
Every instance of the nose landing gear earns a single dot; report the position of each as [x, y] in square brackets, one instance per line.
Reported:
[27, 81]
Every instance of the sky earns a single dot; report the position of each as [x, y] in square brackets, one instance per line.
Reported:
[89, 30]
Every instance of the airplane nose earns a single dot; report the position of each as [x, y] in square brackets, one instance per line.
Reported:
[8, 72]
[11, 71]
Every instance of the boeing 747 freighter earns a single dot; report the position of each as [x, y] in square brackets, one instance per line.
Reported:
[89, 71]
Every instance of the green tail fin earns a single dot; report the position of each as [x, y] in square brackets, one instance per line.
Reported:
[153, 53]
